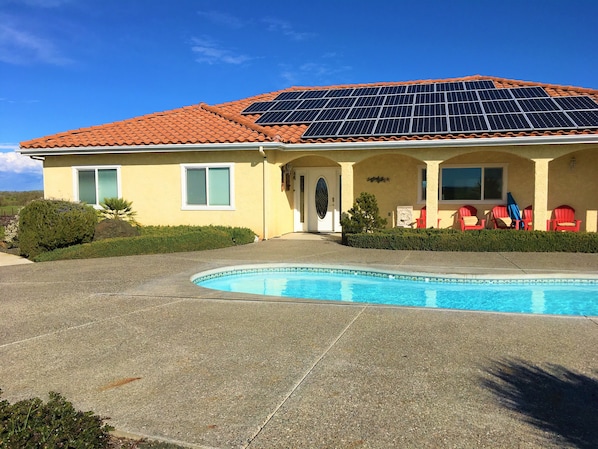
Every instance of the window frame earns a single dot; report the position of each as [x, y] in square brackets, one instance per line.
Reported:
[483, 167]
[207, 166]
[95, 168]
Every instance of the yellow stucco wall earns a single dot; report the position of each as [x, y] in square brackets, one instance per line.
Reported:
[152, 181]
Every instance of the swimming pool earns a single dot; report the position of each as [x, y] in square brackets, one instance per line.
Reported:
[537, 295]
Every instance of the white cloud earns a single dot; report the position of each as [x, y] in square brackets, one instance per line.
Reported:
[13, 162]
[312, 73]
[285, 28]
[210, 52]
[18, 46]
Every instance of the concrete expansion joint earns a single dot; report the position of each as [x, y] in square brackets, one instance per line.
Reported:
[302, 379]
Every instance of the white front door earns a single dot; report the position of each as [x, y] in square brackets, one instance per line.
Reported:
[317, 200]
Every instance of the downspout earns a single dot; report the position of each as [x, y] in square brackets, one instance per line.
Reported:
[264, 217]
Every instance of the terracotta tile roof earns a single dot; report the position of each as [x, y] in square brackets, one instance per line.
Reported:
[224, 123]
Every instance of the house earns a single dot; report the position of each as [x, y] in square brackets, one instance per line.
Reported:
[295, 159]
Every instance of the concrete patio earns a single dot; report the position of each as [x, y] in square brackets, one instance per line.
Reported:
[134, 340]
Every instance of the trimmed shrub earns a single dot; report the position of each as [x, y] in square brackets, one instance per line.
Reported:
[33, 424]
[111, 228]
[488, 240]
[364, 216]
[45, 225]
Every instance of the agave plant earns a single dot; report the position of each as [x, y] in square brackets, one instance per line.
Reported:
[117, 209]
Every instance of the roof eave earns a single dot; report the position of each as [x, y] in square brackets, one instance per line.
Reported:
[435, 143]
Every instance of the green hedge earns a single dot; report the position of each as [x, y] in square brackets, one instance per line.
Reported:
[490, 240]
[45, 225]
[156, 240]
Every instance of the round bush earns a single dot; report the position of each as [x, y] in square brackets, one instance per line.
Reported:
[45, 225]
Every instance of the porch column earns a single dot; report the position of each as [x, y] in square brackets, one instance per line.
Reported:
[432, 175]
[347, 194]
[540, 193]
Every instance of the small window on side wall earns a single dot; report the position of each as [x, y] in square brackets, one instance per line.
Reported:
[93, 184]
[207, 186]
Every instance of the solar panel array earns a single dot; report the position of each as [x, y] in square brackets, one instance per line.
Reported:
[434, 108]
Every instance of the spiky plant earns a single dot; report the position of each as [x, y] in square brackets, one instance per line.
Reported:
[118, 209]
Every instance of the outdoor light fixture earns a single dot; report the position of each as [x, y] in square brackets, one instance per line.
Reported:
[572, 163]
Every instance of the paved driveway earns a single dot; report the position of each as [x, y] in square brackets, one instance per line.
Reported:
[132, 339]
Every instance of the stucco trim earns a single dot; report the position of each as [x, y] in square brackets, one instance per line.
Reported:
[332, 146]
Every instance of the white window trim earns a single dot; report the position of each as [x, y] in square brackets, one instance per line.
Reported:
[78, 168]
[505, 189]
[207, 166]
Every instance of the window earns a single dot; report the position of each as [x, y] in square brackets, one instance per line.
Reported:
[207, 186]
[471, 183]
[93, 184]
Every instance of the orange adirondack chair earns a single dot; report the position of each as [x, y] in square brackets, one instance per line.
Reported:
[563, 219]
[501, 218]
[421, 221]
[469, 220]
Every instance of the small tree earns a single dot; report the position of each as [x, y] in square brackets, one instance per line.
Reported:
[118, 209]
[364, 216]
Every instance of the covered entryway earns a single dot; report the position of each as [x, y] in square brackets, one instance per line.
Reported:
[317, 199]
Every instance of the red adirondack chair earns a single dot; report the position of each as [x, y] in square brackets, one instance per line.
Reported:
[563, 219]
[527, 216]
[421, 221]
[501, 218]
[469, 220]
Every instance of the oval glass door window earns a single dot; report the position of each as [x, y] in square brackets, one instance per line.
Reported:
[321, 198]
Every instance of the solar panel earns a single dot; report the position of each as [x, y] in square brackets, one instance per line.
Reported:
[466, 95]
[550, 120]
[399, 99]
[480, 84]
[429, 125]
[573, 103]
[468, 123]
[273, 118]
[314, 94]
[426, 108]
[344, 102]
[339, 93]
[363, 91]
[539, 105]
[370, 101]
[437, 97]
[392, 90]
[450, 86]
[322, 129]
[500, 106]
[584, 119]
[305, 116]
[396, 111]
[316, 103]
[393, 126]
[258, 107]
[416, 88]
[288, 95]
[333, 114]
[285, 105]
[508, 122]
[464, 108]
[357, 128]
[495, 94]
[361, 113]
[422, 110]
[528, 92]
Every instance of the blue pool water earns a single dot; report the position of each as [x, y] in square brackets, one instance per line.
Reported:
[540, 296]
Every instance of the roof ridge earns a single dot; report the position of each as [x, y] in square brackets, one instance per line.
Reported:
[240, 120]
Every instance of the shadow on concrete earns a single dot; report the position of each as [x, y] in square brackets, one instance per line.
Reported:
[550, 397]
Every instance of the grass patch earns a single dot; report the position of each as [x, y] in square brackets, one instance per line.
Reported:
[156, 240]
[487, 240]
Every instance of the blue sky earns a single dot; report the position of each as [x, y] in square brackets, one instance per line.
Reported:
[67, 64]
